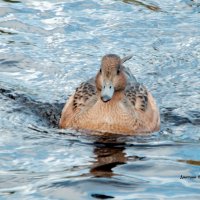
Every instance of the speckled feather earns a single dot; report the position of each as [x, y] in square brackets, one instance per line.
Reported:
[83, 95]
[137, 95]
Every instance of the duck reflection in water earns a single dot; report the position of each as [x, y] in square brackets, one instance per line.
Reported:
[109, 154]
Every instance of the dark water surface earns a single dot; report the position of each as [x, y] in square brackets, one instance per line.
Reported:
[47, 48]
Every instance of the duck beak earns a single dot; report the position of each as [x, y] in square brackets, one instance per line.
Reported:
[107, 92]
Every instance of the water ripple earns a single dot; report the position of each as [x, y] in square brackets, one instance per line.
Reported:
[47, 49]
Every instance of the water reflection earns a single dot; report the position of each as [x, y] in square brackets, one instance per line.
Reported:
[3, 32]
[140, 3]
[102, 196]
[12, 1]
[191, 162]
[107, 158]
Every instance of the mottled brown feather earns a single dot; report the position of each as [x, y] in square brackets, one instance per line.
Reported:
[137, 95]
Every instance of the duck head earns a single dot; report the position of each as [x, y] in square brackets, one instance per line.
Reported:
[111, 77]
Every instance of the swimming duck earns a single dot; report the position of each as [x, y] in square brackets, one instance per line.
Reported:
[112, 102]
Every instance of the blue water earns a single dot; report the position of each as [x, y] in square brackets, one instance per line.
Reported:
[47, 48]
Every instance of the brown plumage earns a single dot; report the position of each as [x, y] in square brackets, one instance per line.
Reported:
[112, 102]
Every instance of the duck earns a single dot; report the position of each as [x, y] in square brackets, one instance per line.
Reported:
[112, 102]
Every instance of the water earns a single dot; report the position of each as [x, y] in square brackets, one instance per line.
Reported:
[47, 48]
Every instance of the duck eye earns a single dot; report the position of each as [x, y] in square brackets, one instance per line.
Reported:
[118, 71]
[100, 70]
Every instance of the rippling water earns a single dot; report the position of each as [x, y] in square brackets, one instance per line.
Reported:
[47, 48]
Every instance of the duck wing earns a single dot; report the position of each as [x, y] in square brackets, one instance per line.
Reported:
[85, 95]
[136, 93]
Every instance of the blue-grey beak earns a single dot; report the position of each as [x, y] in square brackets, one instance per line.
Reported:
[107, 92]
